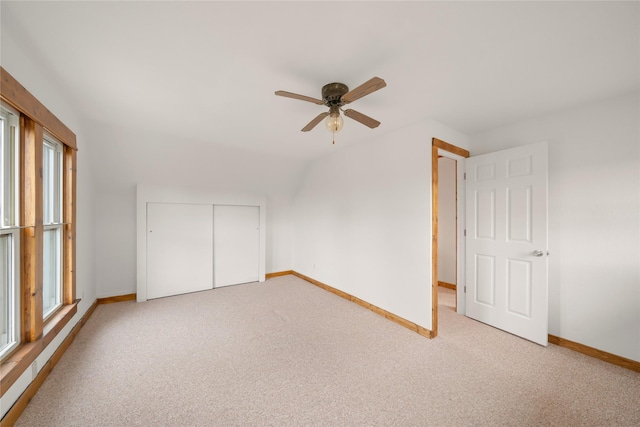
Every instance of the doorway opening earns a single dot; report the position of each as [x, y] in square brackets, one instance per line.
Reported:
[455, 226]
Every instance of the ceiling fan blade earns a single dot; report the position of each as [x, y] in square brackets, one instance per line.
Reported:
[359, 117]
[315, 121]
[366, 88]
[300, 97]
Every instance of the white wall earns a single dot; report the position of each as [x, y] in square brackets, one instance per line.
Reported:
[594, 219]
[116, 243]
[362, 220]
[42, 85]
[447, 220]
[279, 232]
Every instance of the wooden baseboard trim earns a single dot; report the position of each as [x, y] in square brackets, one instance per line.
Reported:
[278, 273]
[594, 352]
[447, 285]
[19, 406]
[117, 298]
[87, 315]
[384, 313]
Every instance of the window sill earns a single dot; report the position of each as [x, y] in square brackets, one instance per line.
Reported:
[22, 358]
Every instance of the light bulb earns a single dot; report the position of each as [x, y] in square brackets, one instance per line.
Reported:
[334, 122]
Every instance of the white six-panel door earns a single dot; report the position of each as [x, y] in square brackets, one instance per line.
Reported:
[179, 248]
[236, 244]
[506, 244]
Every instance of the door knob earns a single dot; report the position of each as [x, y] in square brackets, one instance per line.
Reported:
[537, 252]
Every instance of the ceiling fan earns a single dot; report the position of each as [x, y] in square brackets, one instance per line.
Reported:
[336, 95]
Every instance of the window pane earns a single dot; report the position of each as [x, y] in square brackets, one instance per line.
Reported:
[6, 175]
[9, 164]
[51, 292]
[7, 331]
[47, 184]
[57, 184]
[52, 181]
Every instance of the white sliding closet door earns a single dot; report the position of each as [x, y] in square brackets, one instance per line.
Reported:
[236, 247]
[179, 248]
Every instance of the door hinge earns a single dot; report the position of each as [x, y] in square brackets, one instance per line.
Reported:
[465, 289]
[465, 176]
[465, 233]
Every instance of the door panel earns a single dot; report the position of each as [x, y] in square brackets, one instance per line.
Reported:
[485, 274]
[236, 244]
[179, 248]
[519, 214]
[506, 203]
[486, 214]
[519, 287]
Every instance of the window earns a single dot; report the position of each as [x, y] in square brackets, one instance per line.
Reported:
[37, 229]
[9, 232]
[52, 221]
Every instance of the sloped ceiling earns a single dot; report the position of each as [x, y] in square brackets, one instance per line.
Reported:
[203, 74]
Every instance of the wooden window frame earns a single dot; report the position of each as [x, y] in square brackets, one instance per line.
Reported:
[36, 334]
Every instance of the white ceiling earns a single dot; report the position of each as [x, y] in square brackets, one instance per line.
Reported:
[205, 72]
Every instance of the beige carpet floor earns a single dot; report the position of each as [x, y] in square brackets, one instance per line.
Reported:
[286, 353]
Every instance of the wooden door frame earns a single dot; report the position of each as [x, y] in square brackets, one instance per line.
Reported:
[437, 144]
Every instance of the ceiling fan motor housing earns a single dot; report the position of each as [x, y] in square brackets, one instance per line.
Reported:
[332, 94]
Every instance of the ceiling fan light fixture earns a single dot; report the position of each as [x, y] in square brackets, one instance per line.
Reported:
[334, 121]
[334, 96]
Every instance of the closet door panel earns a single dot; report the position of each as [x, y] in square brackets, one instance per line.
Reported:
[236, 247]
[179, 248]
